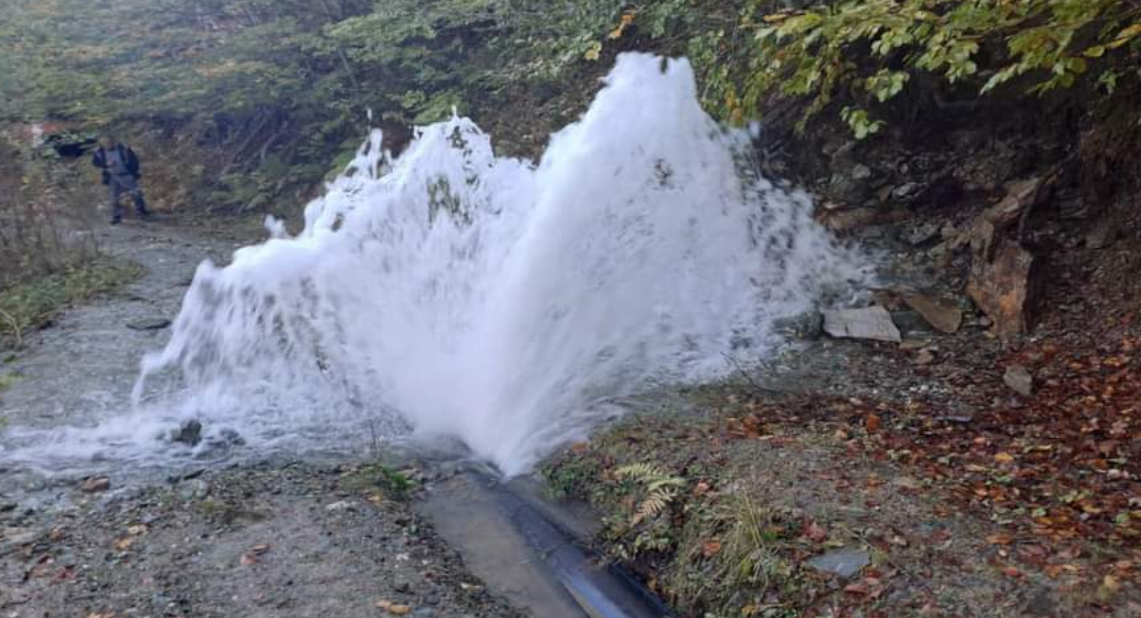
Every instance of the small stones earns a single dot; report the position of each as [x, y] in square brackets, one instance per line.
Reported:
[195, 489]
[344, 506]
[1103, 234]
[844, 563]
[1019, 379]
[96, 484]
[925, 356]
[922, 234]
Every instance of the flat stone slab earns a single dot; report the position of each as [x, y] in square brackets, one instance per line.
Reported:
[872, 323]
[845, 563]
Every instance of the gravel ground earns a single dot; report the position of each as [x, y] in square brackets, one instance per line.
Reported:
[267, 540]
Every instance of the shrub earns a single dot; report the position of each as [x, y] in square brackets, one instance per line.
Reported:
[868, 51]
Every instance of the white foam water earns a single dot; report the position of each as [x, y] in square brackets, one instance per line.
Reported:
[494, 302]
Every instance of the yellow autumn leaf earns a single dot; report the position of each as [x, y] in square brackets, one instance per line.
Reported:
[1004, 458]
[1126, 35]
[594, 53]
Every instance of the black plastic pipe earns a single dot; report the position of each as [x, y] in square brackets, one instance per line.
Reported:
[601, 590]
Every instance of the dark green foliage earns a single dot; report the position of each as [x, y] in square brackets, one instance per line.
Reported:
[294, 79]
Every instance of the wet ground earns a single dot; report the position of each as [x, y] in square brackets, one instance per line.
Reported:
[81, 370]
[271, 538]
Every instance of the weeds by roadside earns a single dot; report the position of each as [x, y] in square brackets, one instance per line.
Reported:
[384, 481]
[732, 504]
[34, 303]
[48, 257]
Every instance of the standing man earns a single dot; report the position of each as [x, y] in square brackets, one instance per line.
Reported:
[120, 168]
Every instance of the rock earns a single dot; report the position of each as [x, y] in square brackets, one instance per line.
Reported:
[231, 436]
[195, 489]
[1103, 234]
[188, 433]
[807, 326]
[1019, 379]
[1041, 603]
[922, 234]
[925, 357]
[944, 316]
[220, 444]
[341, 507]
[907, 191]
[844, 563]
[8, 507]
[872, 323]
[910, 323]
[149, 324]
[96, 484]
[1007, 290]
[1022, 197]
[852, 188]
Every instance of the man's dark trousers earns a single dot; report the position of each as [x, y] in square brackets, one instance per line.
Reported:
[128, 185]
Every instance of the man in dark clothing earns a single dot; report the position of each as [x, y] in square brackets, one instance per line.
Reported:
[120, 168]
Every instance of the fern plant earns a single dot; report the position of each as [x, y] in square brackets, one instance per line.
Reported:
[658, 489]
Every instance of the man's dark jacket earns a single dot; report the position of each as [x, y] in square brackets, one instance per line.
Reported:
[132, 161]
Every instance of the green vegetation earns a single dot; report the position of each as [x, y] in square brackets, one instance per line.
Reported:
[862, 52]
[283, 87]
[391, 483]
[709, 552]
[31, 304]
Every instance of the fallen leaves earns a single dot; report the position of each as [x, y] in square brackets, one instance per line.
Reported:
[394, 609]
[250, 557]
[815, 533]
[1062, 467]
[870, 587]
[1001, 538]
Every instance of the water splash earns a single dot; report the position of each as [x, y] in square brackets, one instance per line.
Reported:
[494, 302]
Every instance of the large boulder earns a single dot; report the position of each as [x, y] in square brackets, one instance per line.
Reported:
[1007, 289]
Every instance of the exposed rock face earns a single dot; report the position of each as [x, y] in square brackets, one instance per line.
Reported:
[986, 233]
[1007, 289]
[872, 323]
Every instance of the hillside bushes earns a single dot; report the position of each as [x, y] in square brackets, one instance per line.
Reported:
[864, 53]
[287, 84]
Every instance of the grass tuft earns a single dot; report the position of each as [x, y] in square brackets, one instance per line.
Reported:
[33, 303]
